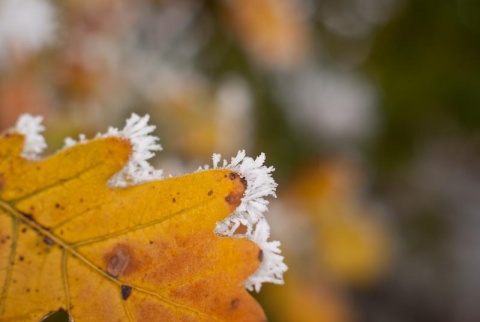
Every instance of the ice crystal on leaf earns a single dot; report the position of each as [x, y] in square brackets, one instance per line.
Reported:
[31, 127]
[249, 215]
[137, 170]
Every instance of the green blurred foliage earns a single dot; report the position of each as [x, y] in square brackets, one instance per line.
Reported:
[426, 64]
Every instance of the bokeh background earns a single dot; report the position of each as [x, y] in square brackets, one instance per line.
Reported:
[369, 110]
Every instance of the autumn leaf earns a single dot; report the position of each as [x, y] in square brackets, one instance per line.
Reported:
[351, 241]
[275, 33]
[307, 300]
[94, 231]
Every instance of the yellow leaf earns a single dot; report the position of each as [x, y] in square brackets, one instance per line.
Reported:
[140, 253]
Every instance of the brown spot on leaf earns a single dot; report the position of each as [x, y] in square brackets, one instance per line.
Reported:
[48, 240]
[234, 303]
[21, 258]
[24, 230]
[173, 199]
[235, 198]
[29, 217]
[210, 192]
[260, 255]
[244, 182]
[117, 261]
[126, 291]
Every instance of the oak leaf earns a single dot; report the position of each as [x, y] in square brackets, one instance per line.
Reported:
[123, 251]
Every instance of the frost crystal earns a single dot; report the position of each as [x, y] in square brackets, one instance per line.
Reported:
[31, 127]
[137, 170]
[68, 142]
[260, 184]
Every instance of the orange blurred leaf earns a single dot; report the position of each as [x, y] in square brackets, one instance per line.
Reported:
[274, 32]
[306, 301]
[352, 242]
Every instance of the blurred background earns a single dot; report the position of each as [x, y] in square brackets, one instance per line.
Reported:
[369, 111]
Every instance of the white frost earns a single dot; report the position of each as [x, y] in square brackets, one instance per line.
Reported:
[137, 170]
[68, 142]
[260, 184]
[31, 127]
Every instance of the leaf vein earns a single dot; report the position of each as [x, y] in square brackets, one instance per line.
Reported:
[127, 311]
[65, 280]
[137, 227]
[9, 268]
[58, 183]
[67, 220]
[174, 304]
